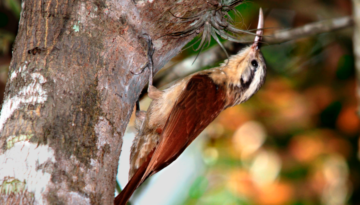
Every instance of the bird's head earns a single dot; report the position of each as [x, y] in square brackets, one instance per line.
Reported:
[246, 70]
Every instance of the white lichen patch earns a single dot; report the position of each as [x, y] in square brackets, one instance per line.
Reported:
[158, 44]
[85, 12]
[76, 198]
[22, 162]
[31, 94]
[102, 129]
[70, 197]
[141, 3]
[22, 69]
[82, 13]
[13, 75]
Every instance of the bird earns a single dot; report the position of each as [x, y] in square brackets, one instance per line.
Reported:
[178, 114]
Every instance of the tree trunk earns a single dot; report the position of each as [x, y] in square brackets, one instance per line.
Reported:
[70, 93]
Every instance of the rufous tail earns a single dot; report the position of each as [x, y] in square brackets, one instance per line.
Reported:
[133, 184]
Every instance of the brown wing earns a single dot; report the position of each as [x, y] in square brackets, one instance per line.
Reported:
[198, 105]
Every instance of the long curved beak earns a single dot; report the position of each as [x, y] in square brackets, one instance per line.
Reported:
[260, 31]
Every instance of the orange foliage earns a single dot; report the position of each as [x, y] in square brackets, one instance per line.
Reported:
[277, 193]
[348, 120]
[233, 117]
[305, 148]
[319, 97]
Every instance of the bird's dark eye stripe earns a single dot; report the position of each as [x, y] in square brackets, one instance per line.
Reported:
[254, 63]
[246, 84]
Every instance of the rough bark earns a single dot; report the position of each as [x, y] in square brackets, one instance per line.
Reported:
[70, 94]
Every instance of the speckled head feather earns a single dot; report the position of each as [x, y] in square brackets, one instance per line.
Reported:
[246, 70]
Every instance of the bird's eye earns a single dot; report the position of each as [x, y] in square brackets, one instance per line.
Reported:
[254, 63]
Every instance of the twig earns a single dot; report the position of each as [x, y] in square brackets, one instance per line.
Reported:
[310, 30]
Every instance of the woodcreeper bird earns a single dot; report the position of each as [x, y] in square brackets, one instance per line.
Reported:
[178, 114]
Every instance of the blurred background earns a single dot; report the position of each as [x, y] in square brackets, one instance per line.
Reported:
[294, 142]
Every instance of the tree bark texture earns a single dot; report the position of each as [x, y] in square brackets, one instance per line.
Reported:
[70, 93]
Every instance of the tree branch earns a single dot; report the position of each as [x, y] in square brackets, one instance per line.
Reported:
[215, 54]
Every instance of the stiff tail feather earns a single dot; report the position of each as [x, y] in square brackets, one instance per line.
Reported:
[133, 184]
